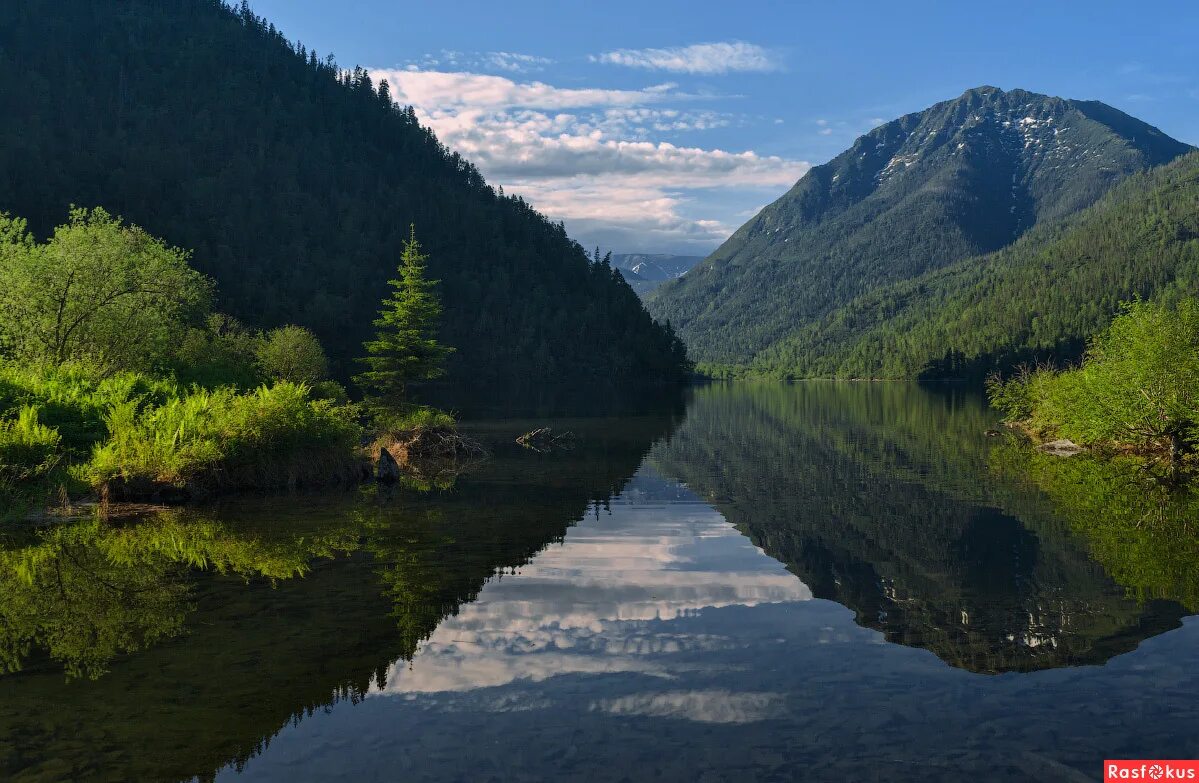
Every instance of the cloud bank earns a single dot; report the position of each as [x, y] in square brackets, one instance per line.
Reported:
[593, 157]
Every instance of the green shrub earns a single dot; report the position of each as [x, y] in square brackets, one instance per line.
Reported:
[292, 353]
[273, 436]
[222, 353]
[29, 450]
[97, 291]
[1137, 386]
[412, 418]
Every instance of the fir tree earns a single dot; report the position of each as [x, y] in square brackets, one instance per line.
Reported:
[406, 347]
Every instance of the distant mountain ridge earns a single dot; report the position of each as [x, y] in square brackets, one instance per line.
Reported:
[646, 271]
[962, 178]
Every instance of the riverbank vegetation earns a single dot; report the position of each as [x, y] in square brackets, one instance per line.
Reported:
[1136, 390]
[118, 379]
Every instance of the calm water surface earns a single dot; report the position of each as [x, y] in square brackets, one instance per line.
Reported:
[751, 582]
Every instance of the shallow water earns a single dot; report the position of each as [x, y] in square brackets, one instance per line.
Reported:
[757, 582]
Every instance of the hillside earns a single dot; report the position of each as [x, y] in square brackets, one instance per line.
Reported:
[1037, 299]
[294, 182]
[962, 178]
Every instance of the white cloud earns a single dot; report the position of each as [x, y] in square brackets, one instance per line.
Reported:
[705, 58]
[610, 599]
[588, 155]
[444, 90]
[516, 62]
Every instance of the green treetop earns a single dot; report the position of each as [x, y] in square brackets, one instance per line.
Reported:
[405, 348]
[99, 292]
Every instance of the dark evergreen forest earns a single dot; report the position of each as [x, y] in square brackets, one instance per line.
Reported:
[294, 181]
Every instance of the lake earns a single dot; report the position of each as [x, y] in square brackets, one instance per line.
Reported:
[813, 581]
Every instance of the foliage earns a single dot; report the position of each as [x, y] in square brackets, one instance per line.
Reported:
[279, 186]
[224, 352]
[406, 347]
[292, 353]
[26, 441]
[1138, 384]
[413, 417]
[74, 400]
[98, 292]
[29, 450]
[273, 436]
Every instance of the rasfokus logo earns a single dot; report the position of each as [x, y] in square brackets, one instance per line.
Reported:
[1150, 769]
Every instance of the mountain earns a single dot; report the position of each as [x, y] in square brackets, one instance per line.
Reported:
[646, 271]
[1038, 299]
[294, 182]
[962, 178]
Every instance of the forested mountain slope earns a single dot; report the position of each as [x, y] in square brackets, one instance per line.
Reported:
[294, 183]
[1040, 298]
[962, 178]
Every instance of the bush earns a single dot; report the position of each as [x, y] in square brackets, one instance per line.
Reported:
[1137, 386]
[417, 417]
[271, 437]
[29, 450]
[98, 292]
[292, 353]
[222, 353]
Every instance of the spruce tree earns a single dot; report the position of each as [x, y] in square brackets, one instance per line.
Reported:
[405, 349]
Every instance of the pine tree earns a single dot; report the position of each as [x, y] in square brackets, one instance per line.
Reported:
[405, 348]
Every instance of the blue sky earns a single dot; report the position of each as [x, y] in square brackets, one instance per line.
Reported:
[662, 126]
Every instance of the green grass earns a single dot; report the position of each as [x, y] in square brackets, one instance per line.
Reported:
[206, 440]
[65, 431]
[418, 417]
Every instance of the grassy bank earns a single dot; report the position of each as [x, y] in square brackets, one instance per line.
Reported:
[65, 433]
[1136, 390]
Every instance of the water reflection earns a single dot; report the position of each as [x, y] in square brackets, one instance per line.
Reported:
[1140, 521]
[80, 594]
[315, 597]
[885, 498]
[648, 605]
[603, 601]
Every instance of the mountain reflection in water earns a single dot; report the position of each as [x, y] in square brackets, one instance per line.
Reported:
[808, 581]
